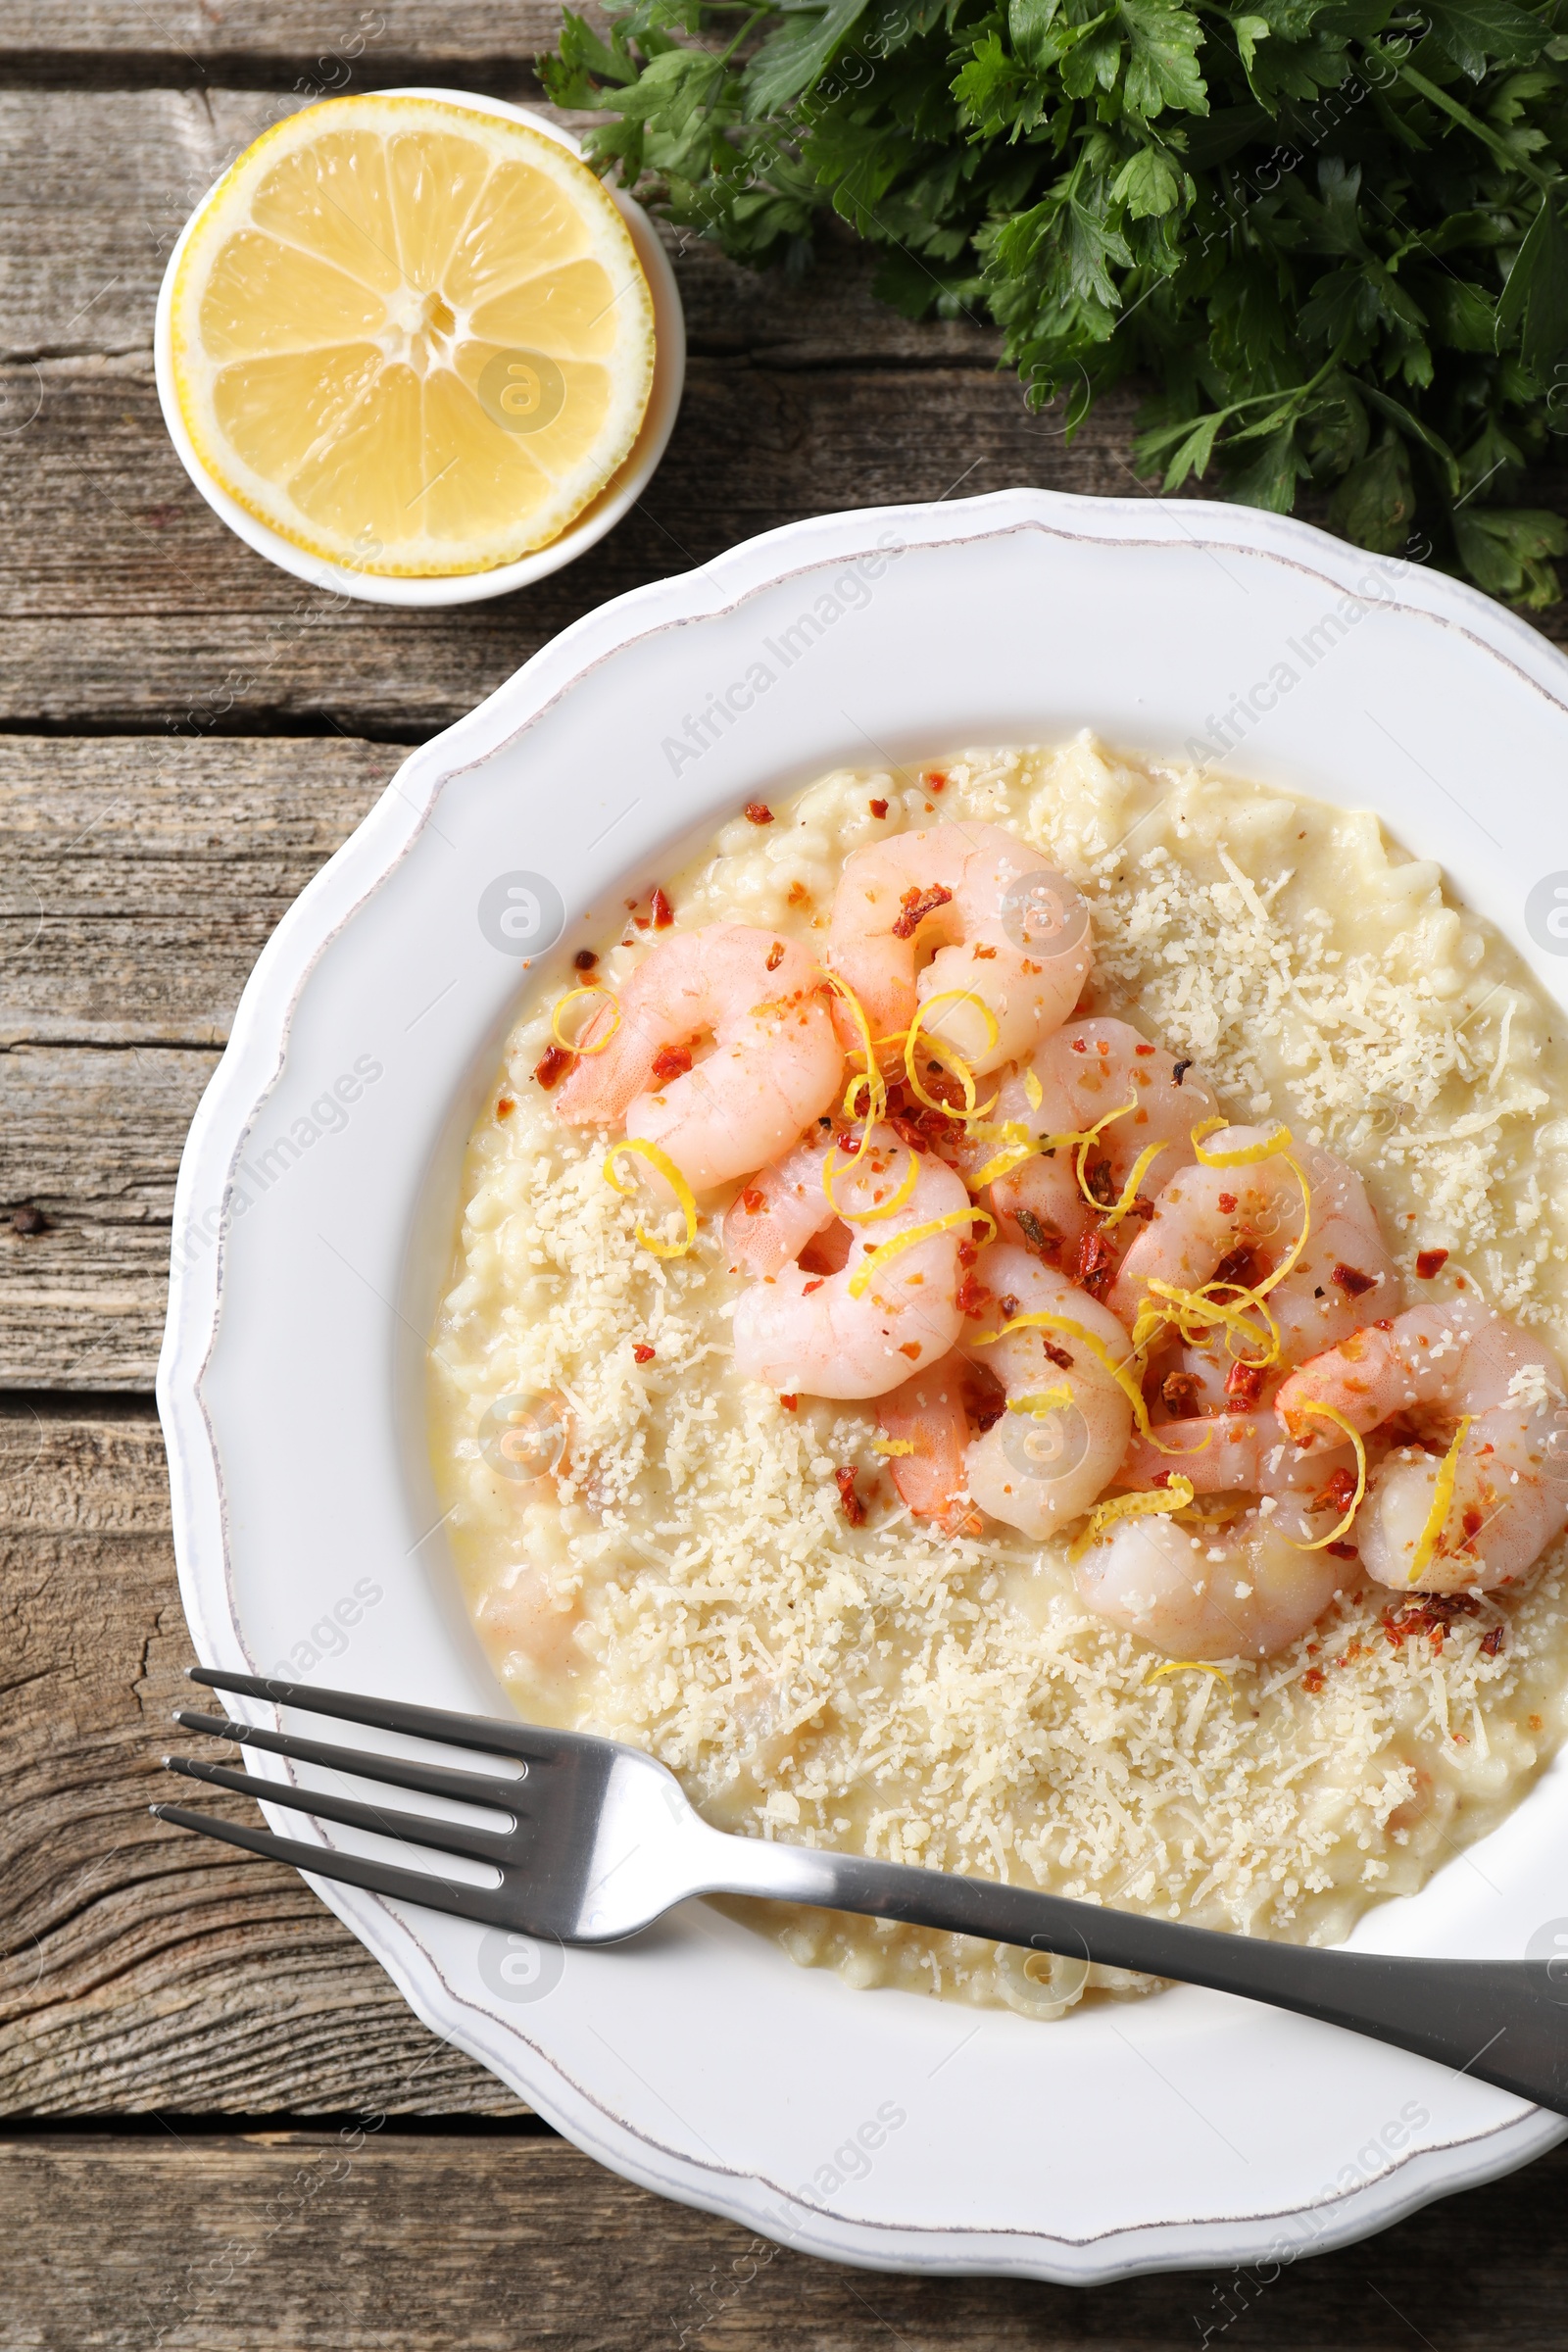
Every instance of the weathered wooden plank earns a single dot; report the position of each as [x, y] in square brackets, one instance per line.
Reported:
[89, 1140]
[312, 38]
[140, 877]
[140, 881]
[96, 186]
[128, 603]
[367, 2241]
[143, 1969]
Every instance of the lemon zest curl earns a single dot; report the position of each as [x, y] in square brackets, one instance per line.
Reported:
[1147, 1502]
[918, 1035]
[875, 1260]
[594, 988]
[1189, 1666]
[1442, 1503]
[866, 1216]
[1336, 1534]
[876, 1092]
[685, 1199]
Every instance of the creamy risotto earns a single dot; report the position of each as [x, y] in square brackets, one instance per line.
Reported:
[686, 1575]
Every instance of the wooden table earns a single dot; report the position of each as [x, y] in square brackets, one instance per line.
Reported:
[221, 2127]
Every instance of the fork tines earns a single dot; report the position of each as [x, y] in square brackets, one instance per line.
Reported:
[385, 1714]
[497, 1793]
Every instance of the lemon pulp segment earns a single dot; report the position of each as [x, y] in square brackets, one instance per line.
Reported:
[411, 338]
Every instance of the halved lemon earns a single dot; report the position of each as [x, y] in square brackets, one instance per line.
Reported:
[414, 340]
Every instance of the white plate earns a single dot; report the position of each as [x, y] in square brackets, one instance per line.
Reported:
[315, 1214]
[619, 496]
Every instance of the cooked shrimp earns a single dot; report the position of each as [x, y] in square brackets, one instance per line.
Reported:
[1007, 927]
[802, 1331]
[1228, 1452]
[928, 1416]
[1235, 1224]
[1073, 1079]
[1095, 1066]
[1041, 1204]
[1237, 1592]
[532, 1623]
[782, 1210]
[773, 1064]
[1437, 1366]
[1062, 1439]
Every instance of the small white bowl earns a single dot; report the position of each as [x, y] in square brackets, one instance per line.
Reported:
[617, 497]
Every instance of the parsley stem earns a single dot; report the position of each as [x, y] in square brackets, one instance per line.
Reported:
[1496, 147]
[1294, 393]
[726, 53]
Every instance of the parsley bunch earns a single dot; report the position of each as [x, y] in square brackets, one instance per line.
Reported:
[1333, 231]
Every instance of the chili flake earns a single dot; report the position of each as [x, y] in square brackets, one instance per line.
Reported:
[1238, 1268]
[1096, 1264]
[916, 906]
[1338, 1493]
[1035, 1236]
[850, 1503]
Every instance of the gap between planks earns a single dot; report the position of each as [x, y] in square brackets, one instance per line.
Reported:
[357, 2242]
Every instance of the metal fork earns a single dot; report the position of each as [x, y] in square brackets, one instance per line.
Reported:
[600, 1842]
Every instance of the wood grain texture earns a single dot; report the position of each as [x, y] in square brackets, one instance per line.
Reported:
[141, 1968]
[130, 603]
[139, 881]
[367, 2241]
[92, 1141]
[291, 38]
[140, 878]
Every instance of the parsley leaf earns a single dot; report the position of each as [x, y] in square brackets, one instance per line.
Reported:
[1477, 34]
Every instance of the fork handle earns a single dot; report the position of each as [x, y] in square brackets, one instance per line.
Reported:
[1504, 2020]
